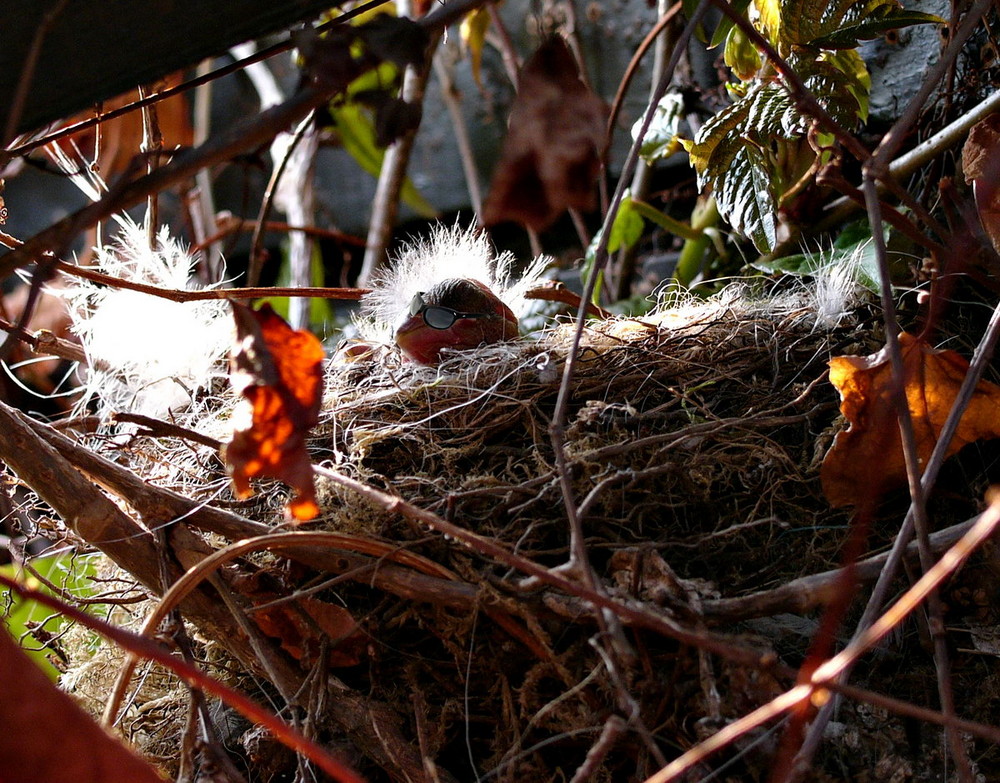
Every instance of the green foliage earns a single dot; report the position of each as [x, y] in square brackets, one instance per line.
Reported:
[71, 574]
[755, 152]
[320, 310]
[370, 114]
[661, 139]
[852, 253]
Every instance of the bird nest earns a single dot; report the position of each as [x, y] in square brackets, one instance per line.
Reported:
[697, 423]
[690, 449]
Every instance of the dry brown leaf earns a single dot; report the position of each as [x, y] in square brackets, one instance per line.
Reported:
[279, 372]
[46, 736]
[867, 458]
[554, 145]
[304, 625]
[981, 165]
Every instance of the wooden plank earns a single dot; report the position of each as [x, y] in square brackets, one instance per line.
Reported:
[91, 50]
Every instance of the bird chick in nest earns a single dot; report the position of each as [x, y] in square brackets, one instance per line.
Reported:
[446, 293]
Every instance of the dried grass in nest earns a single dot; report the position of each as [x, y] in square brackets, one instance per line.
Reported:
[691, 435]
[681, 427]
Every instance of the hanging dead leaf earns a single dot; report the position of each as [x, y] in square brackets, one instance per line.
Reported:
[279, 372]
[554, 145]
[473, 30]
[981, 165]
[867, 458]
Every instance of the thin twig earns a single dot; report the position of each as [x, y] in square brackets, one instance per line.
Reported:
[385, 204]
[154, 651]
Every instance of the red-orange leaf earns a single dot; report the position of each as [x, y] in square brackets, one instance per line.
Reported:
[279, 371]
[867, 458]
[305, 625]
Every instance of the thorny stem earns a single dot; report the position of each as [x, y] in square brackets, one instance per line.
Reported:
[832, 672]
[578, 561]
[875, 167]
[893, 140]
[27, 75]
[578, 551]
[947, 137]
[643, 172]
[444, 67]
[256, 244]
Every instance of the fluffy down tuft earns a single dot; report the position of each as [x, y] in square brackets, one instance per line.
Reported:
[449, 252]
[147, 354]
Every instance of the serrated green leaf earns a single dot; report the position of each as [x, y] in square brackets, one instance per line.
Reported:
[856, 79]
[874, 26]
[746, 198]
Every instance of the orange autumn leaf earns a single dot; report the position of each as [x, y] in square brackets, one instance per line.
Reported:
[279, 372]
[867, 458]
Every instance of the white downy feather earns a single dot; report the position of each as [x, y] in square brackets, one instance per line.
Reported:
[449, 252]
[147, 354]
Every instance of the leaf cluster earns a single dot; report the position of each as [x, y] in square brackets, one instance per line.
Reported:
[756, 152]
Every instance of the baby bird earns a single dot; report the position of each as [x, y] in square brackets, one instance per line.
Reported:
[456, 313]
[443, 293]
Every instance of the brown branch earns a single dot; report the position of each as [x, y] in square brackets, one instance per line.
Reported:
[175, 295]
[154, 651]
[810, 592]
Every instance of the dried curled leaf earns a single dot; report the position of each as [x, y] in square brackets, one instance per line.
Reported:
[554, 147]
[867, 458]
[279, 372]
[305, 625]
[981, 165]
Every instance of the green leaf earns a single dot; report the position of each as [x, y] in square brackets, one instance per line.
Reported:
[358, 136]
[853, 253]
[735, 152]
[854, 78]
[726, 23]
[741, 55]
[661, 140]
[473, 32]
[664, 221]
[72, 574]
[874, 26]
[627, 228]
[320, 310]
[842, 24]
